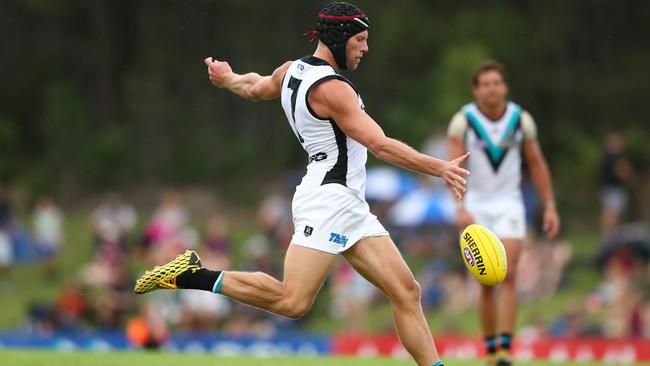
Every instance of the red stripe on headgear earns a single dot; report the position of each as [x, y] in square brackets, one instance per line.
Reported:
[341, 17]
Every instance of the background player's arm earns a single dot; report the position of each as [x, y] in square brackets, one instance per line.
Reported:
[456, 148]
[337, 100]
[542, 178]
[251, 86]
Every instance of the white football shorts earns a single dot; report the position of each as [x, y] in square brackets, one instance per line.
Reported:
[332, 218]
[505, 217]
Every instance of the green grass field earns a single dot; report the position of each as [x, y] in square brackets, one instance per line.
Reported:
[50, 358]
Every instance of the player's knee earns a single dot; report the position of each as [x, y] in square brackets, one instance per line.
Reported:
[409, 292]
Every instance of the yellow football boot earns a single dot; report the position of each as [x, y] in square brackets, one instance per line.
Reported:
[503, 358]
[164, 277]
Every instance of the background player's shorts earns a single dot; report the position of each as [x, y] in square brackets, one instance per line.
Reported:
[506, 218]
[332, 218]
[6, 249]
[613, 198]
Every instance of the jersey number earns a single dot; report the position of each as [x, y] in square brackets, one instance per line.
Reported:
[294, 84]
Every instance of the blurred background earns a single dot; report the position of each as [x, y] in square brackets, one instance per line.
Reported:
[116, 154]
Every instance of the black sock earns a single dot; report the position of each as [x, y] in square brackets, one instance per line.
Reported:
[491, 344]
[505, 340]
[203, 279]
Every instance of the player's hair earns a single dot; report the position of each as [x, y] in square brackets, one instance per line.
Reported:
[489, 65]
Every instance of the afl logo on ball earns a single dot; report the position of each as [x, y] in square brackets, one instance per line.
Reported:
[468, 256]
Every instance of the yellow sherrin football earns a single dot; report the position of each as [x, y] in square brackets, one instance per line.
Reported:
[483, 254]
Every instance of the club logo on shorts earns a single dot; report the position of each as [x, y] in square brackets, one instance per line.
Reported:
[308, 230]
[339, 239]
[468, 256]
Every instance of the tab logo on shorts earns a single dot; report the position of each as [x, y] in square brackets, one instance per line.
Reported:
[339, 239]
[308, 230]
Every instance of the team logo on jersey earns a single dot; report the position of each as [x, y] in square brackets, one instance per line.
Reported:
[509, 140]
[308, 230]
[339, 239]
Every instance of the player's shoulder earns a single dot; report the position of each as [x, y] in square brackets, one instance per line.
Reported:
[330, 94]
[460, 116]
[331, 86]
[527, 123]
[526, 117]
[524, 113]
[458, 124]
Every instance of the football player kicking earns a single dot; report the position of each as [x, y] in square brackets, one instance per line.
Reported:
[330, 213]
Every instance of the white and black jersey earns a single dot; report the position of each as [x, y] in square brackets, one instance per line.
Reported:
[333, 157]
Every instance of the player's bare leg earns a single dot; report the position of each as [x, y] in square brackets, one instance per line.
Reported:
[378, 260]
[505, 312]
[487, 311]
[305, 270]
[508, 301]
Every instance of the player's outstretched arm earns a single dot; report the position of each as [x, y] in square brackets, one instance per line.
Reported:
[337, 100]
[251, 86]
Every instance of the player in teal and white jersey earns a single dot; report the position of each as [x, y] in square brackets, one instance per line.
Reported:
[499, 134]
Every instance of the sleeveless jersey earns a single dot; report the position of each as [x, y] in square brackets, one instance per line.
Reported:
[496, 151]
[333, 157]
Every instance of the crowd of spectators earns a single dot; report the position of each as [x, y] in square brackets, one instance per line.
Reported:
[417, 211]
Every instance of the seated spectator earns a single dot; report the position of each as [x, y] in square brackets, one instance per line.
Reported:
[431, 281]
[168, 232]
[148, 330]
[351, 297]
[541, 268]
[6, 245]
[6, 258]
[113, 220]
[168, 219]
[203, 311]
[616, 172]
[72, 305]
[217, 241]
[48, 233]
